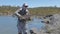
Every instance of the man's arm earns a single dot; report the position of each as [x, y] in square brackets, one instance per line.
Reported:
[16, 13]
[27, 12]
[28, 16]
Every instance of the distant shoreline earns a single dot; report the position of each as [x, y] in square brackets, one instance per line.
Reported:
[39, 11]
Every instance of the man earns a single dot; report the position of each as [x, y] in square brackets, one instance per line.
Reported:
[22, 15]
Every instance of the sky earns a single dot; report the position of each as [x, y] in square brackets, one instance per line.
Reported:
[31, 3]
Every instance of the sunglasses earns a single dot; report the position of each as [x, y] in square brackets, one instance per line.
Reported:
[26, 6]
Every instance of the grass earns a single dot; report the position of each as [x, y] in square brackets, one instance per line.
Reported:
[34, 11]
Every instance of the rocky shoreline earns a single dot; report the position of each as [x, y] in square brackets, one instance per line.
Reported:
[6, 14]
[52, 25]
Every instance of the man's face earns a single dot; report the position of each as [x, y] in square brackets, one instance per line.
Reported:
[25, 7]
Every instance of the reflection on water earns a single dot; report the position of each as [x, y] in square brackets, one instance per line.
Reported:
[8, 24]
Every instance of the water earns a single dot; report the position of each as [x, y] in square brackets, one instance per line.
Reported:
[8, 24]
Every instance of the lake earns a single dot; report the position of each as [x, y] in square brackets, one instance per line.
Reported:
[8, 24]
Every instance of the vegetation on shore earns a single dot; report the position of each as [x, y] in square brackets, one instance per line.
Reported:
[34, 11]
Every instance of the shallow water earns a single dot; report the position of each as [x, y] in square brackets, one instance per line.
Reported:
[8, 24]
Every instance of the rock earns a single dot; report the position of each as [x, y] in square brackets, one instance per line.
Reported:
[54, 24]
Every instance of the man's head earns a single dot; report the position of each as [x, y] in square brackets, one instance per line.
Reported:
[25, 6]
